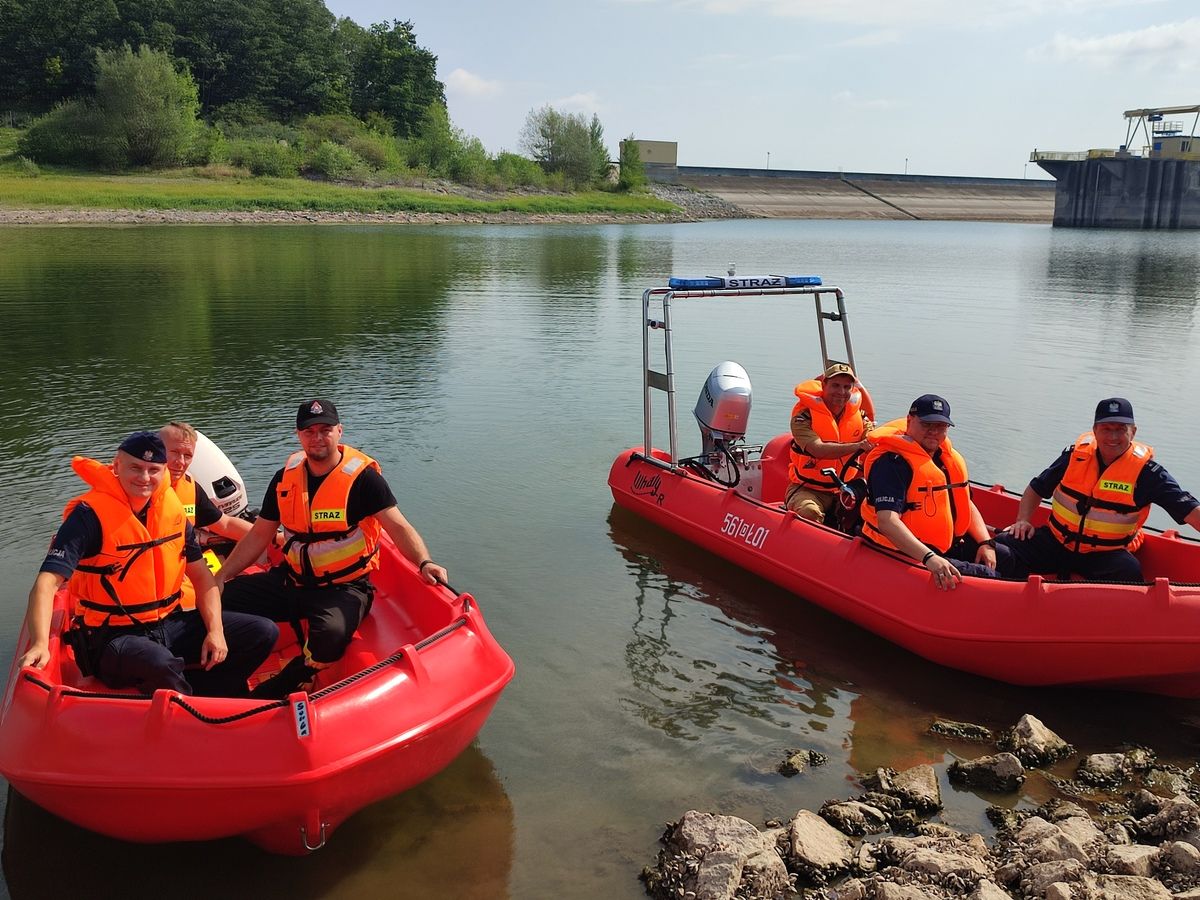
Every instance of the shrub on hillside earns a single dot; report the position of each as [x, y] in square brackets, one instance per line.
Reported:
[332, 160]
[70, 134]
[209, 147]
[471, 164]
[515, 170]
[275, 158]
[377, 151]
[148, 110]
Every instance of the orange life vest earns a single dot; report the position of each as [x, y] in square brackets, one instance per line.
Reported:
[185, 490]
[805, 469]
[319, 545]
[937, 508]
[1091, 511]
[138, 572]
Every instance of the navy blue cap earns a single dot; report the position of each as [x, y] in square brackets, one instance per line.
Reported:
[316, 412]
[931, 408]
[146, 446]
[1114, 409]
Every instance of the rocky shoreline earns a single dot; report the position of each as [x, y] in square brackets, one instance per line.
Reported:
[1139, 841]
[693, 206]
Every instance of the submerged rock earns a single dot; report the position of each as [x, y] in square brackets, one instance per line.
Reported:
[1002, 772]
[916, 788]
[961, 731]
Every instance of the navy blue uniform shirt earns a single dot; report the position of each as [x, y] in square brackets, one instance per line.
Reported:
[1154, 485]
[80, 536]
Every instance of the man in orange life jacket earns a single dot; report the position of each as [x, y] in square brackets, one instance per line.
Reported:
[125, 545]
[1101, 488]
[333, 503]
[919, 497]
[179, 438]
[828, 428]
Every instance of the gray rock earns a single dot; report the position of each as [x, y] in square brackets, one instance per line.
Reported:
[939, 866]
[1060, 890]
[989, 890]
[818, 850]
[1082, 830]
[918, 789]
[1129, 887]
[854, 889]
[1166, 782]
[1103, 769]
[1056, 809]
[1180, 856]
[1178, 816]
[1193, 894]
[1135, 859]
[795, 764]
[1002, 772]
[716, 857]
[1033, 743]
[1045, 842]
[1039, 876]
[887, 890]
[864, 858]
[854, 817]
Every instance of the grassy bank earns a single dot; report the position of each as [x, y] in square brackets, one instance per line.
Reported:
[24, 187]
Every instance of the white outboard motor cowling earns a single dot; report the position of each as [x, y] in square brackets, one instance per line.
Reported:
[216, 476]
[723, 408]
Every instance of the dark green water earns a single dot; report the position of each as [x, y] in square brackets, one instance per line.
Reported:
[494, 372]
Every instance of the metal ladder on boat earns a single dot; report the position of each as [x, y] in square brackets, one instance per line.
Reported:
[653, 380]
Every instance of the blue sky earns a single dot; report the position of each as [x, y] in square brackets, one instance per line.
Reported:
[946, 87]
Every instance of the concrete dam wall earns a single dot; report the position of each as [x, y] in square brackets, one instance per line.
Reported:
[784, 194]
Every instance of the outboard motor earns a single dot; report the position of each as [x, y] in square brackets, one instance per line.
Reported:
[723, 412]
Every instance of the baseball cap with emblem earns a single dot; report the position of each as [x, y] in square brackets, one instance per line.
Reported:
[1114, 409]
[316, 412]
[838, 369]
[931, 408]
[146, 446]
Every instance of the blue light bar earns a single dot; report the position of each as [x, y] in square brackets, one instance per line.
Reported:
[743, 282]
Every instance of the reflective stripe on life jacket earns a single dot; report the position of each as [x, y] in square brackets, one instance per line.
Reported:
[805, 469]
[1093, 511]
[138, 572]
[320, 546]
[937, 506]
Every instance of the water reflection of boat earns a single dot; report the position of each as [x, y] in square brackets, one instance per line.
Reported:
[451, 836]
[1143, 637]
[412, 691]
[840, 680]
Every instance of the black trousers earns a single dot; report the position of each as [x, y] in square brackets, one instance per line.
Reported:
[166, 654]
[333, 612]
[1044, 554]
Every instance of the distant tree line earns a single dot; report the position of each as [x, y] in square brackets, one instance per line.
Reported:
[287, 59]
[277, 88]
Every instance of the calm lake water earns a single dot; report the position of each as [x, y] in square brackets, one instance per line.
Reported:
[495, 373]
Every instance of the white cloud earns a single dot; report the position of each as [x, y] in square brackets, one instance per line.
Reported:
[910, 13]
[462, 83]
[1172, 46]
[586, 103]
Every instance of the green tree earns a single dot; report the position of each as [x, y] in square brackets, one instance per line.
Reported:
[391, 75]
[47, 49]
[148, 109]
[632, 173]
[566, 143]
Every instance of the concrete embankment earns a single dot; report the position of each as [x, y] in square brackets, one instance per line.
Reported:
[833, 195]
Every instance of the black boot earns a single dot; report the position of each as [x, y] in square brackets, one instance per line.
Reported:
[296, 673]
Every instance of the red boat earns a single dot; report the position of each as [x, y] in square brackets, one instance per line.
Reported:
[420, 677]
[729, 500]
